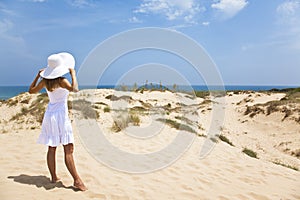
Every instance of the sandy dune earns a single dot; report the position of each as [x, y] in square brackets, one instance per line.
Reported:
[225, 173]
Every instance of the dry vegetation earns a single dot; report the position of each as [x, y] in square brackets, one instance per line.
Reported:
[288, 106]
[250, 152]
[225, 139]
[123, 120]
[177, 125]
[85, 107]
[36, 109]
[277, 162]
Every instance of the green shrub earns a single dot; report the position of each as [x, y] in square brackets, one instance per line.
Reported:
[106, 109]
[225, 139]
[201, 94]
[250, 153]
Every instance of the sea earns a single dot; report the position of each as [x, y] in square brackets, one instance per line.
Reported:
[7, 92]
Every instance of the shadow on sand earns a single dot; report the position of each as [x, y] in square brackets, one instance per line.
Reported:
[39, 181]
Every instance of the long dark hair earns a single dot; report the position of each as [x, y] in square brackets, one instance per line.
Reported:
[52, 84]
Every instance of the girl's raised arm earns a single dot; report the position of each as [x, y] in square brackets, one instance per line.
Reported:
[66, 84]
[34, 88]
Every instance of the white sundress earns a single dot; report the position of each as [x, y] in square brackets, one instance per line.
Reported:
[56, 125]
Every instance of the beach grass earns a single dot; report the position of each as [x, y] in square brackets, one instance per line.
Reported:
[214, 139]
[225, 139]
[119, 124]
[85, 108]
[286, 165]
[292, 97]
[123, 120]
[135, 119]
[12, 102]
[176, 125]
[202, 94]
[250, 153]
[106, 109]
[36, 109]
[184, 119]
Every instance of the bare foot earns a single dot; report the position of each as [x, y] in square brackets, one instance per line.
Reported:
[80, 185]
[55, 180]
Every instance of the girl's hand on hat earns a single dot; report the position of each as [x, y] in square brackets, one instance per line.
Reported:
[74, 80]
[72, 71]
[40, 71]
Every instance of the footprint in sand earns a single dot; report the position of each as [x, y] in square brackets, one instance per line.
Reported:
[117, 197]
[258, 196]
[97, 196]
[189, 195]
[223, 198]
[187, 188]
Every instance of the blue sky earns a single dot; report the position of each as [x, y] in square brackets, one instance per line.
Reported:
[252, 42]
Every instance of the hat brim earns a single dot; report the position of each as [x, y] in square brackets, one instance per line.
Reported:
[52, 73]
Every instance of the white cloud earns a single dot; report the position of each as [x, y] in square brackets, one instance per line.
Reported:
[287, 34]
[288, 8]
[229, 8]
[135, 20]
[288, 14]
[179, 26]
[172, 9]
[6, 11]
[39, 1]
[205, 23]
[6, 36]
[81, 3]
[34, 1]
[5, 25]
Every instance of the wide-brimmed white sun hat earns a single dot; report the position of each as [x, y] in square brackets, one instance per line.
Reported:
[58, 65]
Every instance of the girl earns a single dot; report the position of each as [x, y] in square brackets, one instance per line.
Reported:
[56, 125]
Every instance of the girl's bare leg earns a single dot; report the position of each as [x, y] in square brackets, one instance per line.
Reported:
[52, 163]
[69, 161]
